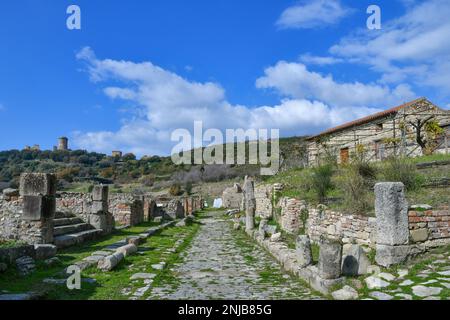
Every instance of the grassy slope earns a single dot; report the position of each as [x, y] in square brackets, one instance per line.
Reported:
[109, 284]
[295, 182]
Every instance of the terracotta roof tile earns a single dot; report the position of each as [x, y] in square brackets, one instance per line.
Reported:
[367, 119]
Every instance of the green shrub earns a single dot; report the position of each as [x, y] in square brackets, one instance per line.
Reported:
[188, 188]
[175, 190]
[357, 190]
[397, 169]
[321, 181]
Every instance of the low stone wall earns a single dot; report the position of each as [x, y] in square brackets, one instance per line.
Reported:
[76, 203]
[334, 225]
[429, 224]
[127, 209]
[425, 223]
[13, 227]
[232, 197]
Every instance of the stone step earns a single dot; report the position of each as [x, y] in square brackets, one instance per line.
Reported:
[67, 221]
[61, 215]
[71, 228]
[68, 240]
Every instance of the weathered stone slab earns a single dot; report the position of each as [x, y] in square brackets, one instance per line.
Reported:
[374, 282]
[127, 250]
[391, 210]
[99, 207]
[419, 235]
[36, 208]
[110, 262]
[100, 193]
[37, 184]
[303, 249]
[354, 260]
[45, 251]
[346, 293]
[389, 255]
[330, 259]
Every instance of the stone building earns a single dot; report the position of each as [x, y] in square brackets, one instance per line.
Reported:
[63, 144]
[390, 132]
[232, 197]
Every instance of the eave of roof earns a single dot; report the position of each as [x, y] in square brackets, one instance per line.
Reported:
[366, 119]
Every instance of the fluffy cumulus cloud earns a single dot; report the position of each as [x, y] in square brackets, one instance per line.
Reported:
[296, 81]
[313, 14]
[160, 101]
[413, 47]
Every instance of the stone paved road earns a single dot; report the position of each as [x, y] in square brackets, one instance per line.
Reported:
[224, 264]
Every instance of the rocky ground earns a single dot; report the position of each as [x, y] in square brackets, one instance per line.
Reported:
[224, 264]
[427, 279]
[209, 260]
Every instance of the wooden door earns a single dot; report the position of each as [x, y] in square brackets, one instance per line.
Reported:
[344, 155]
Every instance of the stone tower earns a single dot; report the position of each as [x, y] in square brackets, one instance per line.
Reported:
[63, 144]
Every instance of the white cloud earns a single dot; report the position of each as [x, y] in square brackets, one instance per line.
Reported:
[296, 81]
[161, 101]
[318, 60]
[413, 47]
[313, 14]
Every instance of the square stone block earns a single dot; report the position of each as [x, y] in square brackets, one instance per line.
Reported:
[387, 256]
[36, 208]
[99, 207]
[100, 193]
[35, 184]
[391, 210]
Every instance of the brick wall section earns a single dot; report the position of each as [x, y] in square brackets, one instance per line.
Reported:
[430, 224]
[291, 210]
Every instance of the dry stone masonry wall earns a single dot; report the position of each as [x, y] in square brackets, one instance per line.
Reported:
[425, 224]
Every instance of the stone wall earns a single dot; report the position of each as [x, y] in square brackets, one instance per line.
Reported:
[232, 197]
[426, 223]
[291, 210]
[263, 195]
[12, 226]
[76, 203]
[335, 225]
[127, 209]
[372, 135]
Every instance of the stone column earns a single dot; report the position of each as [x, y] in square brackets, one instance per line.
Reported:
[303, 249]
[330, 259]
[392, 232]
[100, 218]
[38, 191]
[250, 204]
[262, 228]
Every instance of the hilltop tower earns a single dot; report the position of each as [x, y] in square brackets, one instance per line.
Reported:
[63, 143]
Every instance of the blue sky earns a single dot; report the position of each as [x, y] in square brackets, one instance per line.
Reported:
[137, 70]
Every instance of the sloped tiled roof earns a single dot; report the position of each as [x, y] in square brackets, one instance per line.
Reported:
[367, 119]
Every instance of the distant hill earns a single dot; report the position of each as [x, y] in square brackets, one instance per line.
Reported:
[80, 166]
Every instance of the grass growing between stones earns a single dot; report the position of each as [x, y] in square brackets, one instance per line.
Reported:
[168, 276]
[424, 271]
[271, 274]
[109, 285]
